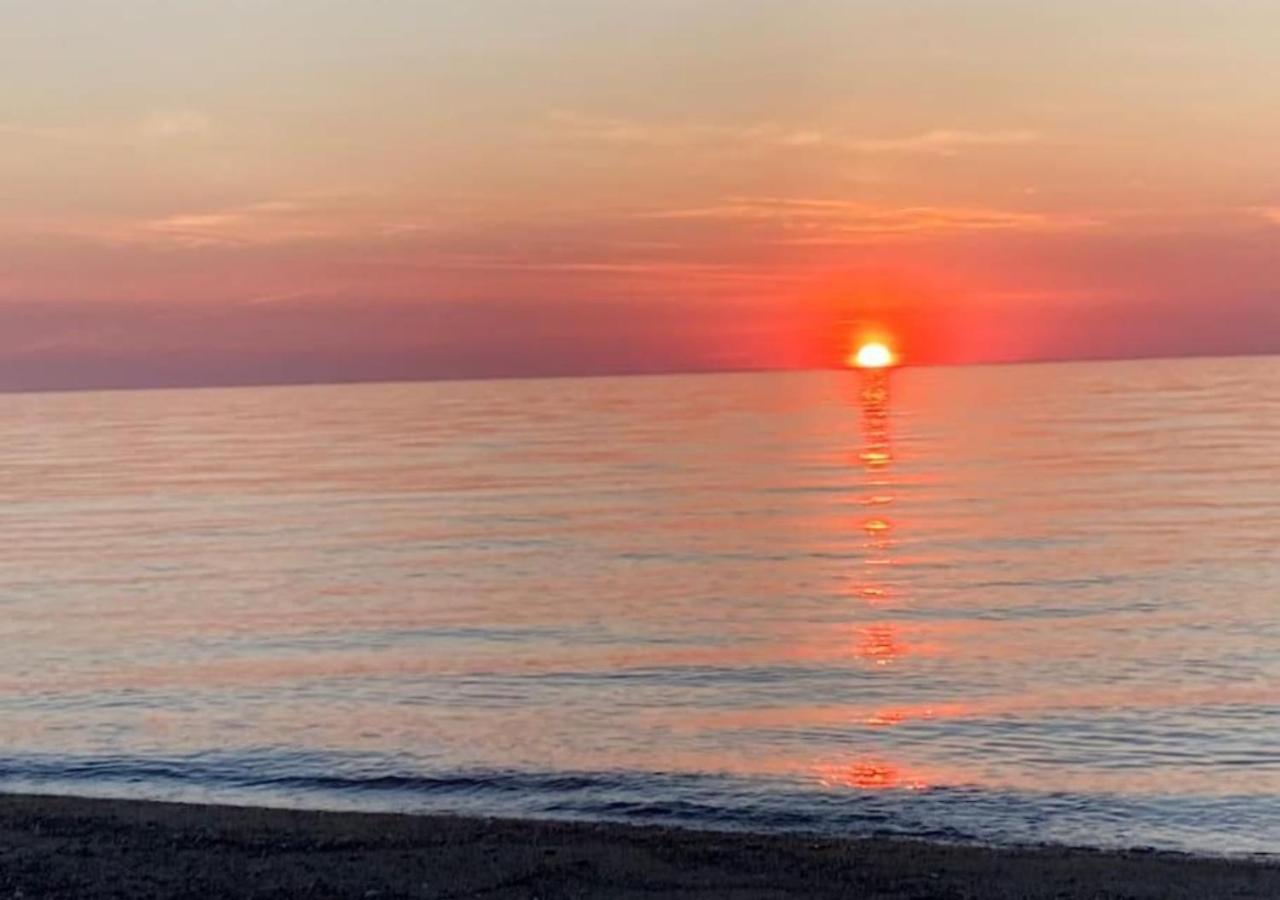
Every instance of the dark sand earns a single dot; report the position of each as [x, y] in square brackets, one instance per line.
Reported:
[67, 847]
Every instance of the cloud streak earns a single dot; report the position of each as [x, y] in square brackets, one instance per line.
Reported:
[154, 126]
[1270, 214]
[310, 219]
[623, 132]
[810, 220]
[181, 123]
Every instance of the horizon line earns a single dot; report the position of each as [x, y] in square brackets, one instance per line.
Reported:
[665, 373]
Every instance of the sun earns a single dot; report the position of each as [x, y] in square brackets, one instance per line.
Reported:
[872, 355]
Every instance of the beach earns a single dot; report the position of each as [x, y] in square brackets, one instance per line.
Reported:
[96, 848]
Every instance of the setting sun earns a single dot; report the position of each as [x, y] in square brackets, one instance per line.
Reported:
[873, 355]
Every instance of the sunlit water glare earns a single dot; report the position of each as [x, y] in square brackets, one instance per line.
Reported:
[1012, 604]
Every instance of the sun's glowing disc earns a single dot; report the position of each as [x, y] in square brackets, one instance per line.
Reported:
[873, 355]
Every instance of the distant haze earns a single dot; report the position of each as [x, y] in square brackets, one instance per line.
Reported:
[232, 191]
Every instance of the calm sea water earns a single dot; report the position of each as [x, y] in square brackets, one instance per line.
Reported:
[1036, 603]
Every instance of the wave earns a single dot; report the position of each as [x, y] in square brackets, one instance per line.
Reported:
[1224, 825]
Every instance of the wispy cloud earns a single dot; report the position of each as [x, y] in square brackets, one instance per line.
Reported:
[43, 133]
[630, 132]
[157, 125]
[316, 218]
[1268, 213]
[179, 123]
[809, 220]
[943, 141]
[266, 222]
[281, 221]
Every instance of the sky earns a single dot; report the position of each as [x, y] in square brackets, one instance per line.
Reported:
[242, 191]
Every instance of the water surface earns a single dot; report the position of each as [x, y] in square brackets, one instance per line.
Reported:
[1003, 603]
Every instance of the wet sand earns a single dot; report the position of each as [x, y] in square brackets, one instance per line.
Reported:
[69, 847]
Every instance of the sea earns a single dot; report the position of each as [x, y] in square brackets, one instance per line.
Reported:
[1012, 604]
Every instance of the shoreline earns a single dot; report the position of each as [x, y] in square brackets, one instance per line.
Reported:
[62, 846]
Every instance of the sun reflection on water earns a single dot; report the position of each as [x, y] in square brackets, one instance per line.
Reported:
[871, 775]
[879, 644]
[876, 458]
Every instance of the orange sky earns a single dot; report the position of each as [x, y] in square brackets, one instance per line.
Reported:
[284, 190]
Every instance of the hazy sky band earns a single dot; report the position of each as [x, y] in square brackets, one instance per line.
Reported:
[286, 190]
